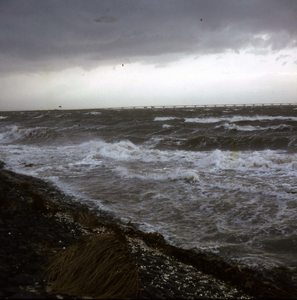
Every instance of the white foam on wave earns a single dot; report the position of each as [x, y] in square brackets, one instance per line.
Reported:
[233, 126]
[165, 118]
[239, 118]
[156, 161]
[38, 117]
[123, 150]
[93, 113]
[282, 126]
[126, 151]
[166, 126]
[265, 171]
[248, 160]
[132, 161]
[210, 160]
[159, 174]
[3, 117]
[203, 120]
[14, 133]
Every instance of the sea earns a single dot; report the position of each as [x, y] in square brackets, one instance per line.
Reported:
[216, 180]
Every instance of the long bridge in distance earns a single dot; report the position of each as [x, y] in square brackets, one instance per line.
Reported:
[202, 105]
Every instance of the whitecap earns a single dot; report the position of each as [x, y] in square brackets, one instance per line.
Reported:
[93, 113]
[239, 118]
[165, 118]
[166, 126]
[159, 174]
[233, 126]
[17, 133]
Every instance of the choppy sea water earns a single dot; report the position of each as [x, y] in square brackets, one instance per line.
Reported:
[218, 180]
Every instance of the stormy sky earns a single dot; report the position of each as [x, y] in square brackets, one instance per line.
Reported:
[93, 54]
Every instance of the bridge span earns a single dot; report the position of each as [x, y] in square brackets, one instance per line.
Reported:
[199, 106]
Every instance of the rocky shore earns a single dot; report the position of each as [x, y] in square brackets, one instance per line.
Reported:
[37, 221]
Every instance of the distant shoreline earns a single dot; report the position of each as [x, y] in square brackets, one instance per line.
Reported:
[177, 106]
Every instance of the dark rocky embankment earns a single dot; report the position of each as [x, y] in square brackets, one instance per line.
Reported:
[37, 221]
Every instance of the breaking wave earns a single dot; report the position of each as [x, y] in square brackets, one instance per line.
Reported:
[16, 133]
[234, 127]
[239, 119]
[164, 118]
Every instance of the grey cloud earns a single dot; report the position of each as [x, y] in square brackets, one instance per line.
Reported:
[259, 51]
[295, 62]
[59, 34]
[106, 20]
[282, 56]
[284, 63]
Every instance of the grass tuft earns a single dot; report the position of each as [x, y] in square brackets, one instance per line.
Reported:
[98, 265]
[86, 218]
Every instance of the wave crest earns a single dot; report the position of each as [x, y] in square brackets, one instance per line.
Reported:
[15, 133]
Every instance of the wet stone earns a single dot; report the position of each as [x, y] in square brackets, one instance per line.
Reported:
[21, 279]
[33, 267]
[25, 295]
[9, 290]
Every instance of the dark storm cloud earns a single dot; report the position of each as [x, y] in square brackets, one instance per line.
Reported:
[52, 35]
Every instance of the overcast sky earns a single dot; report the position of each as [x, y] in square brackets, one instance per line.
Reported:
[93, 54]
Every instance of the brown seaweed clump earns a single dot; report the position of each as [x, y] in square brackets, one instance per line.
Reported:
[98, 265]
